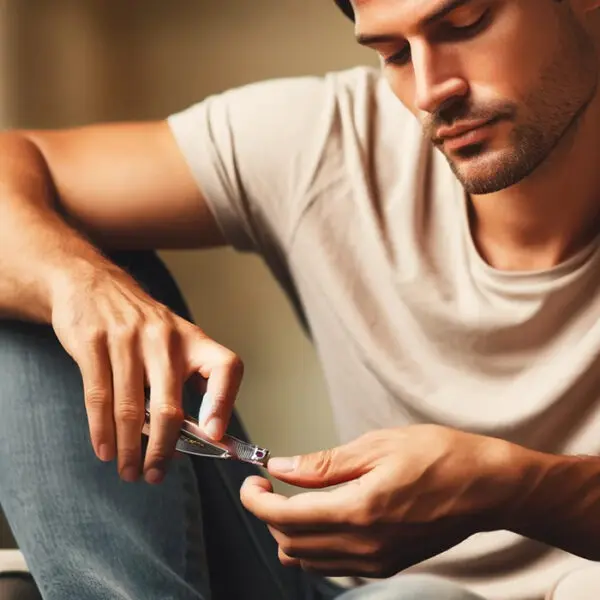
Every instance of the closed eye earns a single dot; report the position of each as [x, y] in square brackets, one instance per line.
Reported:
[450, 31]
[400, 58]
[466, 31]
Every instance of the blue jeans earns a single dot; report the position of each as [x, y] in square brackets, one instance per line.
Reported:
[88, 535]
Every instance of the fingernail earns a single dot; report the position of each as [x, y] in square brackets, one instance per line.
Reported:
[212, 428]
[154, 476]
[283, 464]
[104, 452]
[130, 474]
[205, 410]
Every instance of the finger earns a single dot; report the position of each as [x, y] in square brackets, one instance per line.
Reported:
[260, 482]
[381, 556]
[286, 560]
[345, 568]
[309, 510]
[224, 371]
[331, 568]
[166, 415]
[325, 468]
[324, 546]
[128, 386]
[397, 558]
[94, 365]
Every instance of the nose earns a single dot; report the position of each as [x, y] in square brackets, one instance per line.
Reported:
[437, 80]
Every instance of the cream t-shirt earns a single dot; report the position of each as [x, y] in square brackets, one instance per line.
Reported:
[365, 226]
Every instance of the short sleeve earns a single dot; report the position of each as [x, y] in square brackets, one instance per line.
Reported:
[253, 150]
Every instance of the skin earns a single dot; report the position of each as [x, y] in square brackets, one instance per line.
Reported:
[541, 85]
[409, 494]
[59, 189]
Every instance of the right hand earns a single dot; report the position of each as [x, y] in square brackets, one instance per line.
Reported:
[122, 341]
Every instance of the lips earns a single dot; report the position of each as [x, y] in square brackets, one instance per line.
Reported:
[455, 131]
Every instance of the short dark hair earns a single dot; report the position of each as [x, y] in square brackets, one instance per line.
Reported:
[346, 8]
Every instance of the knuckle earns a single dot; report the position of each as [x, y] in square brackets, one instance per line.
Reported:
[284, 559]
[372, 549]
[93, 335]
[97, 398]
[160, 312]
[362, 516]
[158, 457]
[128, 411]
[125, 333]
[323, 462]
[288, 547]
[288, 550]
[128, 455]
[234, 364]
[159, 331]
[170, 413]
[228, 359]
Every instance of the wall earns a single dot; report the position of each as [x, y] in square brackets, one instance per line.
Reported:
[69, 62]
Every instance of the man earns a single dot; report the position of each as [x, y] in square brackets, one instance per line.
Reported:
[436, 225]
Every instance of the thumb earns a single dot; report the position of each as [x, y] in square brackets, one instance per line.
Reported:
[320, 469]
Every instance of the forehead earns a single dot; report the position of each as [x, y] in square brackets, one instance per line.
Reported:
[399, 5]
[376, 14]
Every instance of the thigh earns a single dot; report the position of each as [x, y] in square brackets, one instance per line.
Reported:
[411, 587]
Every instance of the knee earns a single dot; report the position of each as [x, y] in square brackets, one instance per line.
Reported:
[411, 587]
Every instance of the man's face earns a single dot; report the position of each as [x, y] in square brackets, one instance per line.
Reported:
[528, 67]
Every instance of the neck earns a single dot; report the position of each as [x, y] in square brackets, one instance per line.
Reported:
[552, 214]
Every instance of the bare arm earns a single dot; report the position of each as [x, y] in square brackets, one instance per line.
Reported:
[404, 495]
[122, 186]
[559, 502]
[127, 185]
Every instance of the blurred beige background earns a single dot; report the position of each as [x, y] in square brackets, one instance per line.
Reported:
[70, 62]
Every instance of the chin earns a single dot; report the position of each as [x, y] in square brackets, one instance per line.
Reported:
[483, 172]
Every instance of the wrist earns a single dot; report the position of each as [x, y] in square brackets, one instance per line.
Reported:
[506, 471]
[70, 273]
[522, 472]
[551, 495]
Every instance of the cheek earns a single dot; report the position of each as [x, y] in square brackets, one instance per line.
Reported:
[510, 77]
[527, 44]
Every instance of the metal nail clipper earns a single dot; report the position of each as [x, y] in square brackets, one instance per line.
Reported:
[192, 440]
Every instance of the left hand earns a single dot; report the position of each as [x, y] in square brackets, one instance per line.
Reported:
[408, 494]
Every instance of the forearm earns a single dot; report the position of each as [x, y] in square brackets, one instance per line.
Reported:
[558, 502]
[37, 246]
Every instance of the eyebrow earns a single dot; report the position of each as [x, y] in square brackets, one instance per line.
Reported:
[365, 39]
